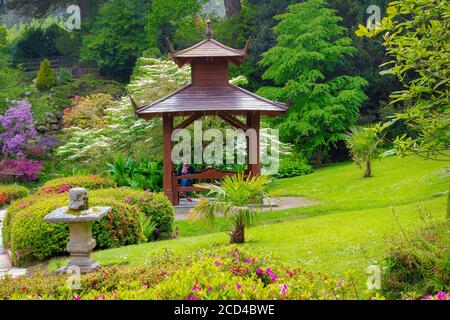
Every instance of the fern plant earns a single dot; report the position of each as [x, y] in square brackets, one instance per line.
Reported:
[121, 170]
[237, 199]
[148, 227]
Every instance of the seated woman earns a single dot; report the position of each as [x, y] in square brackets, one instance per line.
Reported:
[186, 169]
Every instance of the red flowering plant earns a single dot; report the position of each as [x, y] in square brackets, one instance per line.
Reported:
[10, 192]
[3, 198]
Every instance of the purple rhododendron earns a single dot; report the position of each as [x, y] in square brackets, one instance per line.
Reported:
[18, 127]
[47, 142]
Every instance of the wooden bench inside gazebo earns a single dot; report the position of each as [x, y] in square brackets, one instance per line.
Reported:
[209, 94]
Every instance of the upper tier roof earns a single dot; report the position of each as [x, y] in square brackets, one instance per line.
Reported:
[208, 48]
[210, 92]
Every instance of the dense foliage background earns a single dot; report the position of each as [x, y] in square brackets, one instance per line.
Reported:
[310, 54]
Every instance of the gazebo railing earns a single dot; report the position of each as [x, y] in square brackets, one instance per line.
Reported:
[208, 174]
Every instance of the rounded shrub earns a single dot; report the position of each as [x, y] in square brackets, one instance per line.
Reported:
[11, 192]
[46, 77]
[155, 206]
[31, 239]
[291, 167]
[63, 185]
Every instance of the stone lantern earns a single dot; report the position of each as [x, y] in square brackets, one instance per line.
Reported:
[80, 218]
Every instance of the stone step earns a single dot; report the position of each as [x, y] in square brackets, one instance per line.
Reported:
[5, 262]
[13, 272]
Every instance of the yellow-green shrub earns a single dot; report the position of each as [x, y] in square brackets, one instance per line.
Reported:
[31, 239]
[46, 77]
[63, 185]
[221, 274]
[10, 192]
[98, 285]
[89, 112]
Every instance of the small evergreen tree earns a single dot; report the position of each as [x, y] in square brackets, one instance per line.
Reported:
[303, 66]
[46, 77]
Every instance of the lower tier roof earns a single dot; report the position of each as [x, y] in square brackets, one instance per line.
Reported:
[198, 99]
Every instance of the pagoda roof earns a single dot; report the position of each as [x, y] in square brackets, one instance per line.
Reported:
[211, 100]
[208, 48]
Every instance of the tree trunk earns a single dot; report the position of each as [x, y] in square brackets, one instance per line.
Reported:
[368, 173]
[318, 158]
[238, 235]
[232, 7]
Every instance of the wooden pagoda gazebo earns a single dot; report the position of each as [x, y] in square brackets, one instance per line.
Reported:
[209, 94]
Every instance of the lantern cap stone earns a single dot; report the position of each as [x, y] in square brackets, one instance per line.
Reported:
[65, 214]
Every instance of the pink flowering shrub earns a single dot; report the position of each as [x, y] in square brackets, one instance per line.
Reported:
[20, 169]
[226, 273]
[439, 296]
[233, 274]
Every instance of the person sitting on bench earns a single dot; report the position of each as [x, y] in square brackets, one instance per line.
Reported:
[184, 170]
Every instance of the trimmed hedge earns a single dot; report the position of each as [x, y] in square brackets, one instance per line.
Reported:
[154, 205]
[11, 192]
[31, 239]
[63, 185]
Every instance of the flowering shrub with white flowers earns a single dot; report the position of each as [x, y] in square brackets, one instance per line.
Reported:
[152, 80]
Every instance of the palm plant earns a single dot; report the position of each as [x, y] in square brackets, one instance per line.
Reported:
[237, 199]
[365, 145]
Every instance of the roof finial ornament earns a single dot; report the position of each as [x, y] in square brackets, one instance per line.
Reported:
[208, 32]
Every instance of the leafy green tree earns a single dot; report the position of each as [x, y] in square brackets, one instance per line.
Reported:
[365, 145]
[3, 35]
[238, 200]
[369, 55]
[323, 105]
[39, 8]
[416, 36]
[46, 77]
[44, 39]
[117, 37]
[10, 78]
[166, 17]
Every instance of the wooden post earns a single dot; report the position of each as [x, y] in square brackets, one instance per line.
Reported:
[253, 122]
[168, 165]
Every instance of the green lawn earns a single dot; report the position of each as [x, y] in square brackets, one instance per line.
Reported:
[346, 231]
[341, 188]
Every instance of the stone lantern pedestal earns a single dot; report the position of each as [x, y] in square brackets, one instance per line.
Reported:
[80, 218]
